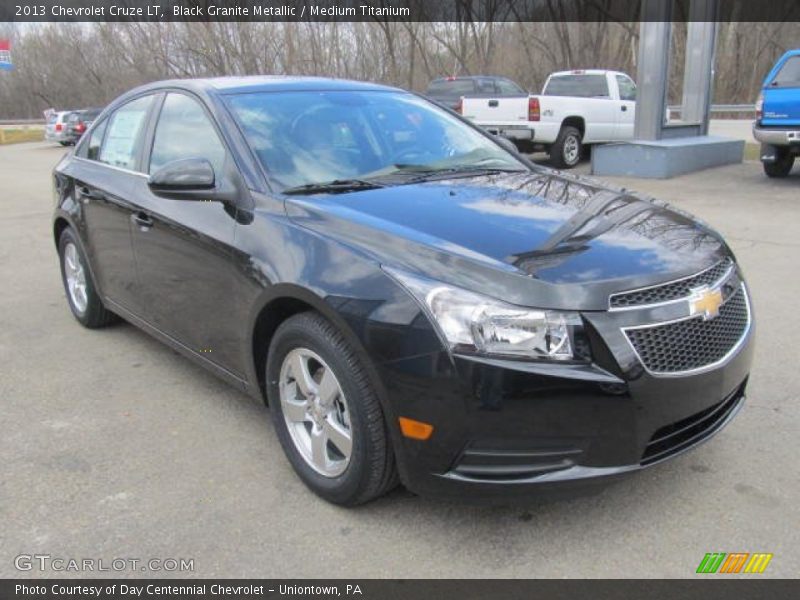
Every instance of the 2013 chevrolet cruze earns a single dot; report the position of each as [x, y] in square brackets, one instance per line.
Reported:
[415, 301]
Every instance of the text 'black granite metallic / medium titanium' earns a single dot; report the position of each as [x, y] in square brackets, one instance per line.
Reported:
[417, 302]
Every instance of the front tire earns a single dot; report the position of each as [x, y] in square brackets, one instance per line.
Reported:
[781, 167]
[565, 153]
[82, 297]
[326, 412]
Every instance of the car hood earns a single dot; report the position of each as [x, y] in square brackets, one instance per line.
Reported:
[566, 239]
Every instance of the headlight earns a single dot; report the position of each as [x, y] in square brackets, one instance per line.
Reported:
[471, 322]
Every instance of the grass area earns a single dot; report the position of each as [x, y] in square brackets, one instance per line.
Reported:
[15, 136]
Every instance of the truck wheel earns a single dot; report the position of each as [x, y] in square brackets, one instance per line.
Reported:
[781, 167]
[565, 153]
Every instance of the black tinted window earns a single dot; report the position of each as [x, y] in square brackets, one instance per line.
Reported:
[184, 130]
[451, 88]
[582, 86]
[789, 75]
[95, 141]
[508, 88]
[125, 131]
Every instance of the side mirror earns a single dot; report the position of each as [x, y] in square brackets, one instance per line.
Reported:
[186, 179]
[506, 143]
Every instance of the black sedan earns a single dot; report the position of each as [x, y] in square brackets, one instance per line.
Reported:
[416, 302]
[78, 123]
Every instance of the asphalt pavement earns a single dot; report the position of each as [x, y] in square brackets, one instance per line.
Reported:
[115, 447]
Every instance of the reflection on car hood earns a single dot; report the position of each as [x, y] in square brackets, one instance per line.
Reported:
[552, 227]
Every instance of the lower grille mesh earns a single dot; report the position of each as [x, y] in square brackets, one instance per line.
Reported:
[693, 343]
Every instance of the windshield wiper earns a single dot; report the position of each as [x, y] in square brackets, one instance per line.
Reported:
[423, 174]
[337, 186]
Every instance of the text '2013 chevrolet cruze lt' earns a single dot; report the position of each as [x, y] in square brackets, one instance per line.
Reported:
[416, 302]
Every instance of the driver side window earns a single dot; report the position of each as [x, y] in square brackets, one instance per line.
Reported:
[184, 130]
[627, 89]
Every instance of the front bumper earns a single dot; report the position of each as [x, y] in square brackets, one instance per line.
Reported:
[776, 136]
[509, 428]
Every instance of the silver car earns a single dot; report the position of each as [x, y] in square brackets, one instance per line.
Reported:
[56, 128]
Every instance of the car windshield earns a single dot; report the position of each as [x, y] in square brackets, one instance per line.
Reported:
[305, 138]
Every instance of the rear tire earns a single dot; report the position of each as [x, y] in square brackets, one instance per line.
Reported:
[565, 153]
[82, 297]
[305, 352]
[781, 167]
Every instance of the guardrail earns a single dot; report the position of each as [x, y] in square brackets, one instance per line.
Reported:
[722, 108]
[21, 122]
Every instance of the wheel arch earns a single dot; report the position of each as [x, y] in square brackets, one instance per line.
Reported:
[60, 223]
[575, 121]
[283, 301]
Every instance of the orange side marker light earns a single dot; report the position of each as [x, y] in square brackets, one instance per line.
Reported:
[416, 430]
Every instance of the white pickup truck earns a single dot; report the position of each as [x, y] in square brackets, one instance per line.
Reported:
[575, 109]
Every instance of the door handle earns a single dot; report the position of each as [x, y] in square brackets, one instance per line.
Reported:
[142, 220]
[623, 108]
[493, 103]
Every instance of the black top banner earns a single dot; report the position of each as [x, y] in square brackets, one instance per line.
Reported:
[388, 10]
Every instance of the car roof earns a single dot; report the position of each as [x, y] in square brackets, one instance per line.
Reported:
[264, 83]
[585, 72]
[468, 77]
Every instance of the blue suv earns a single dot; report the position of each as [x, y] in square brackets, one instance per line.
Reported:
[777, 124]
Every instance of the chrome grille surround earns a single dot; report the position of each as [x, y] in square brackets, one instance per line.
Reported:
[676, 290]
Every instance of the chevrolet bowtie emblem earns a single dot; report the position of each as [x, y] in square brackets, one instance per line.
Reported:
[705, 301]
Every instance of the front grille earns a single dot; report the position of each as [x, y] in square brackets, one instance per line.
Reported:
[692, 343]
[674, 290]
[678, 436]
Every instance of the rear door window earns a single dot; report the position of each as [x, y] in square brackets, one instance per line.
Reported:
[91, 148]
[123, 140]
[789, 75]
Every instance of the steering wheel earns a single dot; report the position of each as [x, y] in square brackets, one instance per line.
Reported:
[410, 156]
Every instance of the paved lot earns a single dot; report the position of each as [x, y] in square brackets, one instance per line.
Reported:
[113, 446]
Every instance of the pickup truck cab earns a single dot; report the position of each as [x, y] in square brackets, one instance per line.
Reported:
[777, 124]
[448, 91]
[575, 109]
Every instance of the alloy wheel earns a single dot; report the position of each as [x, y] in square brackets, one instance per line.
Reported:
[75, 274]
[315, 410]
